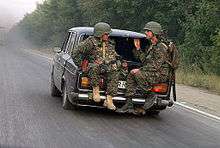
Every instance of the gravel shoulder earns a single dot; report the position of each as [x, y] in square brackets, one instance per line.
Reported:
[198, 98]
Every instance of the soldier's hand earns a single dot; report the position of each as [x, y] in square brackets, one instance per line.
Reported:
[124, 64]
[114, 66]
[137, 44]
[135, 71]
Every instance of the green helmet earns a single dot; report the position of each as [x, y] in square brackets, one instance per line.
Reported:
[154, 27]
[101, 28]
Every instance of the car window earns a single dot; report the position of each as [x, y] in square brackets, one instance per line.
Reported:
[66, 41]
[82, 37]
[70, 42]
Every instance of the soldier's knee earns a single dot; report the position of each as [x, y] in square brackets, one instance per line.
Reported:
[135, 72]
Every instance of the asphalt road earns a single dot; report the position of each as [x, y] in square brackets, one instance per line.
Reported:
[30, 117]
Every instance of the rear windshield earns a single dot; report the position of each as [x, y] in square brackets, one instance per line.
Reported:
[124, 46]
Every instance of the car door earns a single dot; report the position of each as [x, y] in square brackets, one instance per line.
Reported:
[62, 57]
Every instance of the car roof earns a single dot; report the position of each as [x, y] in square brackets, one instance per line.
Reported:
[115, 32]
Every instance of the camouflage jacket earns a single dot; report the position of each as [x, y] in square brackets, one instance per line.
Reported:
[94, 50]
[154, 59]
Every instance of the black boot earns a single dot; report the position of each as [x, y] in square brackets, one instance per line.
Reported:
[149, 101]
[127, 108]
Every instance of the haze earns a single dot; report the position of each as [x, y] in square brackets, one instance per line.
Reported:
[14, 10]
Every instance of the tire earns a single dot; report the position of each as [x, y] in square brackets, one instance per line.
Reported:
[54, 91]
[66, 104]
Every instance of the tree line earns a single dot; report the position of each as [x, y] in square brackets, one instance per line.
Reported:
[193, 24]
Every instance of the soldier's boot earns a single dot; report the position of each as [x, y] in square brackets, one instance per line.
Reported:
[149, 101]
[109, 103]
[127, 108]
[96, 94]
[140, 111]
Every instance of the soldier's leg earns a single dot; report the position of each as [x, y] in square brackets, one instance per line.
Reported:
[150, 98]
[94, 74]
[130, 92]
[112, 88]
[134, 79]
[131, 85]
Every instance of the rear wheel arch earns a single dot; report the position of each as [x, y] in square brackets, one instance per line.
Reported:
[55, 92]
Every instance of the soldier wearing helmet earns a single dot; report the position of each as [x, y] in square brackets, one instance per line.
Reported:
[103, 60]
[154, 69]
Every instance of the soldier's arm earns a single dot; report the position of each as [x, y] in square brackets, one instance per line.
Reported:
[160, 55]
[82, 50]
[85, 46]
[139, 54]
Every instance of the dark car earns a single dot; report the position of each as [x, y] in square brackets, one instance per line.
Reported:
[68, 80]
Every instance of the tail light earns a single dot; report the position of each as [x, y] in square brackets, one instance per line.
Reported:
[84, 82]
[160, 88]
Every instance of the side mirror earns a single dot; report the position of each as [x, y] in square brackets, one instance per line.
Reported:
[57, 49]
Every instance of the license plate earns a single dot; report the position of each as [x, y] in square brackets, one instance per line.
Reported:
[122, 84]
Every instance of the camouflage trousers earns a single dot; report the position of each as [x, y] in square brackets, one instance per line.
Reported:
[143, 80]
[111, 76]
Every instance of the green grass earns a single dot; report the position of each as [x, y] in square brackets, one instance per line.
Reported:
[198, 79]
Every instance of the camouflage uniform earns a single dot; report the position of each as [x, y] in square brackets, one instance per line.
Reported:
[155, 69]
[96, 52]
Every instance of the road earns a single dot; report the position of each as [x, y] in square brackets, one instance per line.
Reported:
[30, 117]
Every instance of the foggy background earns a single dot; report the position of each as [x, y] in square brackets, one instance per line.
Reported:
[13, 10]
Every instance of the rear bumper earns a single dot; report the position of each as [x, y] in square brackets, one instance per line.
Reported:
[83, 97]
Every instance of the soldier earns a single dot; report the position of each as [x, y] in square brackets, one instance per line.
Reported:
[154, 70]
[103, 59]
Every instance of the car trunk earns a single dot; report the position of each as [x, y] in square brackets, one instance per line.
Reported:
[124, 47]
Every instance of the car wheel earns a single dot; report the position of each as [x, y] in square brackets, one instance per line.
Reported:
[67, 105]
[54, 91]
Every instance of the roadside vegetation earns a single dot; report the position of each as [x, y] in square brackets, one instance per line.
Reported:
[198, 79]
[194, 26]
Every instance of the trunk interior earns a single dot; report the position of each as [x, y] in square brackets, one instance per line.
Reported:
[124, 47]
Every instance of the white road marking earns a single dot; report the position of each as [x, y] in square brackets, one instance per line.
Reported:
[198, 111]
[177, 103]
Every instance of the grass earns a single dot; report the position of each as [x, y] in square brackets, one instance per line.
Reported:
[198, 79]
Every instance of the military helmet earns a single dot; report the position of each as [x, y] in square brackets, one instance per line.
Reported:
[154, 27]
[101, 28]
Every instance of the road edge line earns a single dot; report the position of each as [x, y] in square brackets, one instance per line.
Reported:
[177, 103]
[198, 111]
